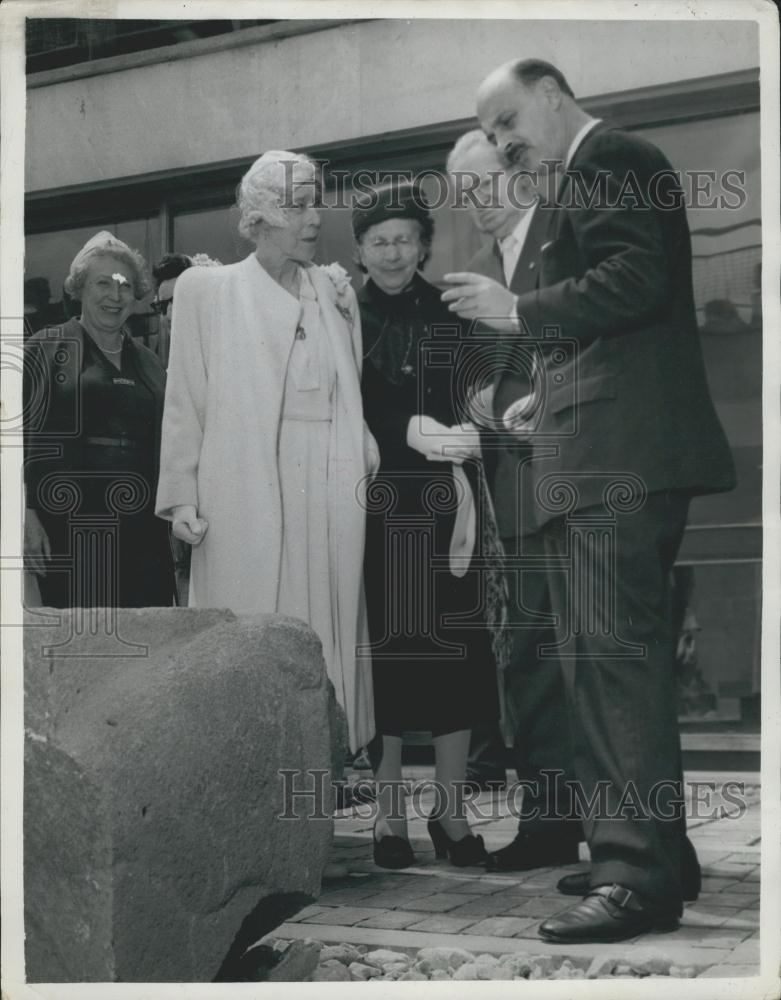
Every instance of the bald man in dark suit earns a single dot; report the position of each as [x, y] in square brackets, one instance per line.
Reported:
[624, 435]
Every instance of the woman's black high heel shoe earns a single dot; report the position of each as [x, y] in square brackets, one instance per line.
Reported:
[393, 852]
[470, 850]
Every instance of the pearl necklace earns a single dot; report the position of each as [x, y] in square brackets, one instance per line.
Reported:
[105, 350]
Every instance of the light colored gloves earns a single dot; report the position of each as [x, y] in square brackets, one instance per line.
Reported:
[188, 526]
[439, 443]
[520, 417]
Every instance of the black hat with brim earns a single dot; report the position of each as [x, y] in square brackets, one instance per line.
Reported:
[396, 200]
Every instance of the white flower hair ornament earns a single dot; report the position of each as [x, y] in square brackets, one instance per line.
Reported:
[204, 260]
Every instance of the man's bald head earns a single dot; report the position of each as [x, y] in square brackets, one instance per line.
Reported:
[527, 109]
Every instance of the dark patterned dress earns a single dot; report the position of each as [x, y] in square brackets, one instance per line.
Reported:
[91, 475]
[432, 656]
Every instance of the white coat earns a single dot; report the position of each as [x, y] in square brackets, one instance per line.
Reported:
[233, 331]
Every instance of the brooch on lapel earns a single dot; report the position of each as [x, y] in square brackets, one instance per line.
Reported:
[340, 280]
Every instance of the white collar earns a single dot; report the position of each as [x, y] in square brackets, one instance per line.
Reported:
[519, 232]
[581, 135]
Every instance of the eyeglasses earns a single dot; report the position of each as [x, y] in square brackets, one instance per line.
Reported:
[402, 243]
[161, 306]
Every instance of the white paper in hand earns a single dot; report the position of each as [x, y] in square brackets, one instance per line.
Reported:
[517, 416]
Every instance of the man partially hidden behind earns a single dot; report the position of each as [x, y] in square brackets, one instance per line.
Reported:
[624, 436]
[502, 208]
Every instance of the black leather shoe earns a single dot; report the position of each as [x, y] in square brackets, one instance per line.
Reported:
[607, 913]
[393, 852]
[578, 884]
[528, 851]
[470, 850]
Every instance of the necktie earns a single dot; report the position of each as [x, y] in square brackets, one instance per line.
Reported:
[496, 597]
[509, 258]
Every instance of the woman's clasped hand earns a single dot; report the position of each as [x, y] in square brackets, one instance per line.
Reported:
[439, 443]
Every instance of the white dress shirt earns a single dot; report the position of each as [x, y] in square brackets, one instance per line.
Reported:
[581, 135]
[512, 244]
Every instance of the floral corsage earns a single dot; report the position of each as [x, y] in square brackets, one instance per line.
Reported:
[340, 279]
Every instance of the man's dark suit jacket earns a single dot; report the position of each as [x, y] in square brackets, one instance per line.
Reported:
[507, 459]
[618, 282]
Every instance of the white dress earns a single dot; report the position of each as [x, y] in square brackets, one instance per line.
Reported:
[232, 448]
[306, 580]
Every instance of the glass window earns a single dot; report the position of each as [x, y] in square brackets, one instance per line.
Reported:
[726, 235]
[336, 241]
[213, 231]
[717, 622]
[54, 41]
[726, 248]
[456, 239]
[47, 261]
[719, 641]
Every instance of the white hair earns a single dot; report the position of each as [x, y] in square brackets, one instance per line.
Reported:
[464, 144]
[263, 188]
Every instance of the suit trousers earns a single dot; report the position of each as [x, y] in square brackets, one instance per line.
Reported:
[609, 574]
[487, 753]
[535, 700]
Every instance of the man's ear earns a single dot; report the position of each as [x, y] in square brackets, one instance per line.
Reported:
[552, 91]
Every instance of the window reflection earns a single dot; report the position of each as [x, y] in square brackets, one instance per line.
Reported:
[727, 253]
[717, 586]
[716, 618]
[213, 231]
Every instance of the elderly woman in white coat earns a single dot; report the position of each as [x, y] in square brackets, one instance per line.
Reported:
[264, 442]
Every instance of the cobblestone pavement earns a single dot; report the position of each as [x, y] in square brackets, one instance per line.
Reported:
[434, 904]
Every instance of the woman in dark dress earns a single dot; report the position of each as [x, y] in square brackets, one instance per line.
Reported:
[433, 667]
[93, 410]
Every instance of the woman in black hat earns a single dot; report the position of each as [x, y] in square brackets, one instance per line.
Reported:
[433, 667]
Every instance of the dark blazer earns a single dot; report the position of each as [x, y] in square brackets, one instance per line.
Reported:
[488, 259]
[52, 406]
[506, 459]
[629, 394]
